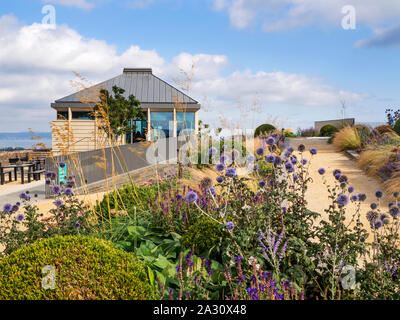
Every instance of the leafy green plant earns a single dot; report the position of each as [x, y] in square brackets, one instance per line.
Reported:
[85, 268]
[328, 130]
[264, 129]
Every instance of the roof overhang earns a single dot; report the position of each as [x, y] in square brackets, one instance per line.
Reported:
[144, 105]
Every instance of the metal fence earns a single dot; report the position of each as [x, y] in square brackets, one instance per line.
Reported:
[96, 165]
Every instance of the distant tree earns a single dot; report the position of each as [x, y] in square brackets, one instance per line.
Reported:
[119, 111]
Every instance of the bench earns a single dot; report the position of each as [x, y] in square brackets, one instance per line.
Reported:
[35, 174]
[3, 174]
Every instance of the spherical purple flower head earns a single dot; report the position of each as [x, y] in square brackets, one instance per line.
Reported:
[22, 195]
[251, 158]
[379, 194]
[394, 211]
[220, 167]
[191, 197]
[342, 200]
[58, 203]
[53, 176]
[224, 158]
[337, 176]
[293, 160]
[230, 225]
[373, 206]
[290, 149]
[270, 140]
[295, 177]
[238, 258]
[62, 164]
[372, 216]
[7, 208]
[15, 208]
[27, 198]
[260, 151]
[278, 161]
[321, 171]
[301, 148]
[289, 167]
[313, 151]
[48, 181]
[77, 224]
[20, 217]
[395, 194]
[378, 224]
[362, 196]
[354, 198]
[220, 179]
[343, 178]
[211, 191]
[303, 161]
[270, 158]
[262, 183]
[390, 204]
[68, 191]
[212, 151]
[230, 172]
[287, 154]
[56, 189]
[48, 174]
[256, 166]
[350, 189]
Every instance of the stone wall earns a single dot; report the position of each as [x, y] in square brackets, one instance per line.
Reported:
[337, 123]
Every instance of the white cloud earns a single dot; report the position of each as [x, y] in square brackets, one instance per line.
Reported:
[36, 64]
[284, 14]
[81, 4]
[382, 38]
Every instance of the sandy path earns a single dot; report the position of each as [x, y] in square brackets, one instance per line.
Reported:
[329, 159]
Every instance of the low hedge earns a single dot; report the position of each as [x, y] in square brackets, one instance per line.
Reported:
[264, 129]
[328, 130]
[86, 268]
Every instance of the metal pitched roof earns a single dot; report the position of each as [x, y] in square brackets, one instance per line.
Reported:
[141, 83]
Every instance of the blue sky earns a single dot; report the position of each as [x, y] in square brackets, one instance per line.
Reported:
[292, 57]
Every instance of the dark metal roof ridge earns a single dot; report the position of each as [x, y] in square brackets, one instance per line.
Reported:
[128, 70]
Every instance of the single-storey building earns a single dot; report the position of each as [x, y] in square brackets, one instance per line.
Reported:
[75, 128]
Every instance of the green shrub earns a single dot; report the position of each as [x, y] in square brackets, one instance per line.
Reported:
[396, 127]
[205, 235]
[328, 130]
[86, 268]
[264, 129]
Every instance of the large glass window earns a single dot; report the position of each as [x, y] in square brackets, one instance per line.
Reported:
[184, 120]
[139, 128]
[82, 115]
[160, 123]
[62, 115]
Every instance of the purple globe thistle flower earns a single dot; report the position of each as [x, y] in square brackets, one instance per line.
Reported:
[336, 171]
[77, 224]
[20, 217]
[303, 161]
[220, 179]
[313, 151]
[53, 176]
[337, 176]
[321, 171]
[260, 151]
[56, 189]
[27, 198]
[58, 203]
[378, 224]
[290, 149]
[15, 208]
[394, 211]
[22, 196]
[7, 208]
[294, 160]
[289, 167]
[362, 196]
[68, 191]
[220, 167]
[342, 200]
[278, 161]
[379, 194]
[48, 174]
[287, 154]
[224, 158]
[230, 225]
[62, 164]
[270, 140]
[390, 204]
[343, 178]
[270, 158]
[230, 172]
[191, 196]
[301, 148]
[396, 194]
[262, 183]
[48, 181]
[211, 191]
[350, 189]
[373, 206]
[372, 216]
[212, 151]
[295, 177]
